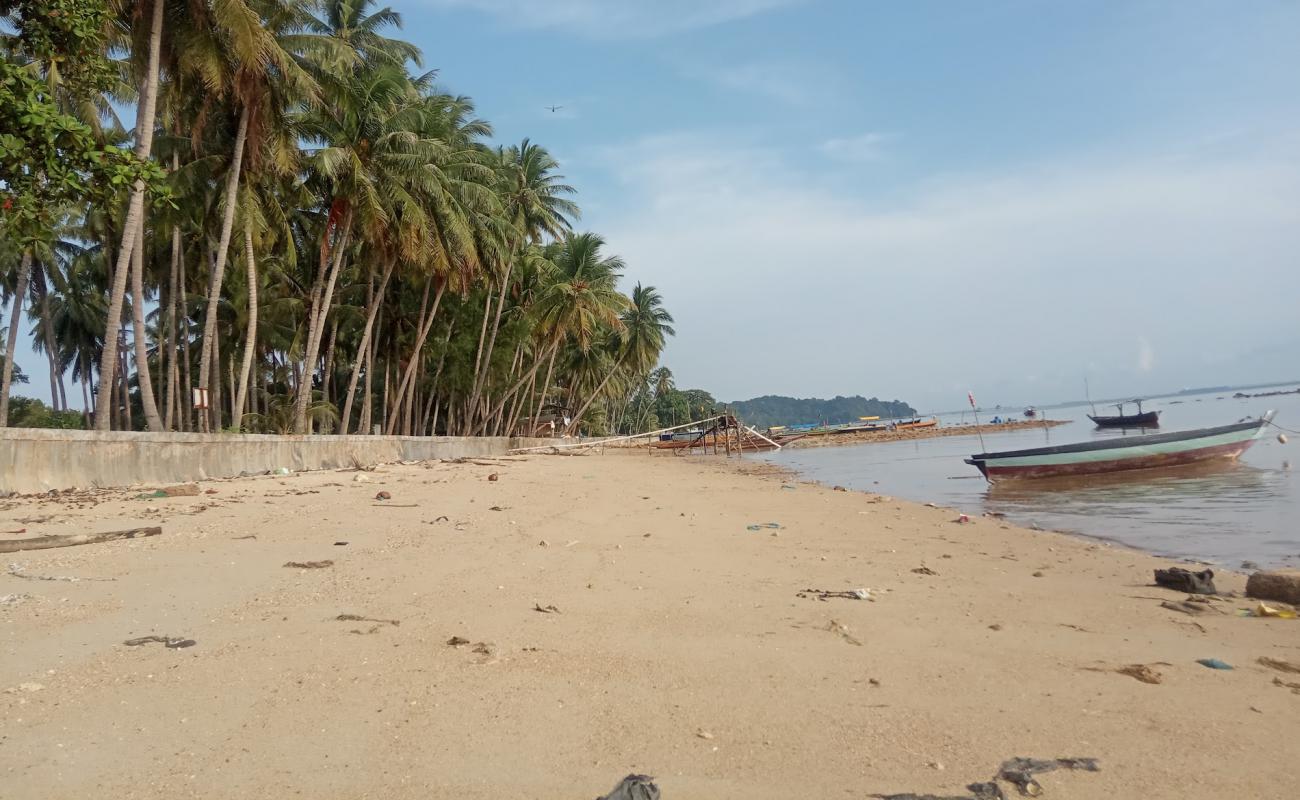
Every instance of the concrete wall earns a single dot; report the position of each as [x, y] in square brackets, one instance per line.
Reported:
[34, 460]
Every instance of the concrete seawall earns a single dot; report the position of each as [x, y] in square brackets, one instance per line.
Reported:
[35, 460]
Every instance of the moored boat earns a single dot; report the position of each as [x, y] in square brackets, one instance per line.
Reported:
[1148, 419]
[1152, 451]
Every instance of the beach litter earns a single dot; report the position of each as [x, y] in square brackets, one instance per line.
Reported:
[359, 618]
[457, 641]
[1019, 772]
[170, 642]
[545, 609]
[308, 564]
[1265, 610]
[827, 594]
[1279, 665]
[18, 571]
[962, 520]
[1182, 580]
[1213, 663]
[493, 477]
[1192, 605]
[1142, 672]
[383, 495]
[179, 490]
[842, 631]
[924, 570]
[634, 787]
[758, 526]
[1293, 686]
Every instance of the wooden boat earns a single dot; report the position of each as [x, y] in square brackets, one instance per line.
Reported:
[916, 423]
[1149, 419]
[1150, 451]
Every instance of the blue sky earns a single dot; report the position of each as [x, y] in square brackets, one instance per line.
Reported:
[916, 199]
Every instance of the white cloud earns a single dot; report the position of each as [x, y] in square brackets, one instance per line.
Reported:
[617, 19]
[856, 149]
[975, 280]
[788, 82]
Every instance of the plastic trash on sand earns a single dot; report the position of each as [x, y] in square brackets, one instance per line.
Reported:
[1265, 610]
[1213, 663]
[761, 525]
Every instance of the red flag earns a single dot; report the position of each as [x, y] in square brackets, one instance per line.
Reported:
[971, 397]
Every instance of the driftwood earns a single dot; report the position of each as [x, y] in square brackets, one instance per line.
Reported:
[48, 542]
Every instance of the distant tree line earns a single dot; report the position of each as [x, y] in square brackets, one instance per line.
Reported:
[777, 410]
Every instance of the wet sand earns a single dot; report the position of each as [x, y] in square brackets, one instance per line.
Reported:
[678, 646]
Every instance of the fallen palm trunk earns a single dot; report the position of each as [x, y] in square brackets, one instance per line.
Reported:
[49, 542]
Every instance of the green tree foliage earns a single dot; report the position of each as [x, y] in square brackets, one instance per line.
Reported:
[27, 412]
[342, 248]
[777, 410]
[49, 157]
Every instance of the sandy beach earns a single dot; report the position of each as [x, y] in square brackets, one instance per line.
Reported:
[615, 613]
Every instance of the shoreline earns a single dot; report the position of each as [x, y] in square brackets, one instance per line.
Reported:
[620, 616]
[871, 437]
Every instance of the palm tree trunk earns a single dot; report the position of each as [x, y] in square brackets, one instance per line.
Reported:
[371, 312]
[425, 325]
[172, 355]
[327, 381]
[478, 355]
[481, 377]
[135, 211]
[124, 388]
[388, 380]
[144, 379]
[214, 412]
[428, 408]
[250, 338]
[546, 385]
[532, 373]
[20, 294]
[368, 399]
[186, 402]
[85, 393]
[208, 364]
[323, 298]
[573, 424]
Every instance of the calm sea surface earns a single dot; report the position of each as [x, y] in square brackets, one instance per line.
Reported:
[1225, 514]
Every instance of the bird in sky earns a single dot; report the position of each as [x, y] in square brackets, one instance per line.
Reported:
[554, 108]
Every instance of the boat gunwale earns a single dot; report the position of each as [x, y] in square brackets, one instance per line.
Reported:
[1124, 442]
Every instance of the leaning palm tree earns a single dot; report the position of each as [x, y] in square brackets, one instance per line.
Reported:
[581, 301]
[646, 325]
[134, 225]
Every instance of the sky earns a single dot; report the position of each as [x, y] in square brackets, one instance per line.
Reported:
[916, 200]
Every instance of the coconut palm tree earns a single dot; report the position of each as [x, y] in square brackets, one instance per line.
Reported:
[645, 326]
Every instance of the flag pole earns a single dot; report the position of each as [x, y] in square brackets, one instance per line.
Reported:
[978, 432]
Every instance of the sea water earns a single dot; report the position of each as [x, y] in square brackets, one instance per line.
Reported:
[1226, 513]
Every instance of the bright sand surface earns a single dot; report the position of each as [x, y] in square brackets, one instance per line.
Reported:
[679, 649]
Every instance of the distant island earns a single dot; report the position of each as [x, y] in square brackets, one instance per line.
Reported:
[774, 409]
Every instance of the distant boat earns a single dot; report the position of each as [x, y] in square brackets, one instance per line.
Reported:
[916, 423]
[1149, 419]
[1031, 412]
[1150, 451]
